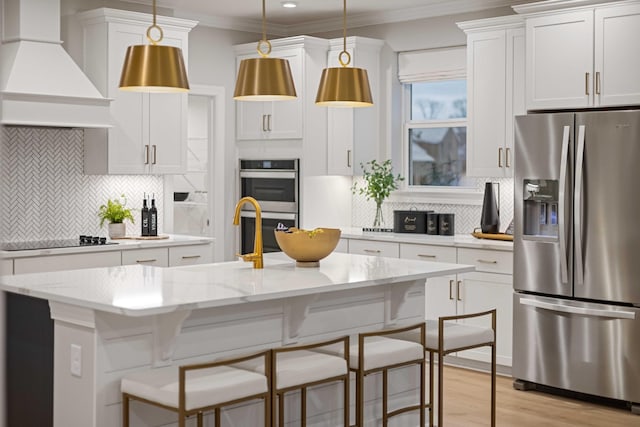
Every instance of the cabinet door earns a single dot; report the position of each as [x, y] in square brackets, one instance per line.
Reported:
[158, 257]
[257, 120]
[66, 262]
[559, 58]
[375, 248]
[440, 297]
[486, 97]
[515, 92]
[617, 55]
[128, 136]
[485, 291]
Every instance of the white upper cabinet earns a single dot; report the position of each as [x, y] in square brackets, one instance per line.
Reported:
[273, 119]
[149, 135]
[495, 93]
[583, 57]
[353, 135]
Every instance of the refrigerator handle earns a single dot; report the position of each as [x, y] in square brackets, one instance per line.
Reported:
[577, 209]
[564, 164]
[595, 312]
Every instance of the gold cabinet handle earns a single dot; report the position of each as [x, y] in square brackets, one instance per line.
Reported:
[499, 157]
[451, 290]
[586, 83]
[348, 158]
[597, 82]
[264, 123]
[269, 122]
[146, 154]
[459, 297]
[140, 261]
[190, 256]
[427, 256]
[372, 251]
[508, 157]
[487, 261]
[155, 154]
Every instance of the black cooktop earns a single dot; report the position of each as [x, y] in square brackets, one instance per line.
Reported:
[58, 243]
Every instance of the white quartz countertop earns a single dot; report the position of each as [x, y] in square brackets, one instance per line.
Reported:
[123, 244]
[136, 290]
[459, 240]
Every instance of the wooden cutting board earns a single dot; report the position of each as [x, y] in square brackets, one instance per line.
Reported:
[497, 236]
[160, 237]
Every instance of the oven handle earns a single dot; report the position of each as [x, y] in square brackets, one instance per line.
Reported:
[269, 215]
[269, 174]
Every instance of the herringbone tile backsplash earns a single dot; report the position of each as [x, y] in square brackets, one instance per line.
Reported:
[44, 194]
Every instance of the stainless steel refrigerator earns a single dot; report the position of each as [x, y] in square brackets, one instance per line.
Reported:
[577, 253]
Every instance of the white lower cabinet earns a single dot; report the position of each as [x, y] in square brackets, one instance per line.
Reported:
[343, 246]
[40, 264]
[374, 247]
[490, 286]
[190, 255]
[158, 257]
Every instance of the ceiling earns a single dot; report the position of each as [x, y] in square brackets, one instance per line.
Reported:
[324, 14]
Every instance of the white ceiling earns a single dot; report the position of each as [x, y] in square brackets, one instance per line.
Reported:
[316, 14]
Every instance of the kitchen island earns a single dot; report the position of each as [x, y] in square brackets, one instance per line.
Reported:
[115, 320]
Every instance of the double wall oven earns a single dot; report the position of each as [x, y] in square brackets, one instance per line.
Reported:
[275, 185]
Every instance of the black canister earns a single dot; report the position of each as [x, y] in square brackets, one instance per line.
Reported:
[432, 223]
[446, 224]
[411, 221]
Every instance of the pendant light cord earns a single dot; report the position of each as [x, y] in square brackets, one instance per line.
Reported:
[154, 26]
[154, 13]
[344, 26]
[264, 22]
[264, 40]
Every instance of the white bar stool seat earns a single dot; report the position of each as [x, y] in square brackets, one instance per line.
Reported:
[194, 389]
[457, 335]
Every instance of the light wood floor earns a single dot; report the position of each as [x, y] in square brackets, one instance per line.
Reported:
[467, 403]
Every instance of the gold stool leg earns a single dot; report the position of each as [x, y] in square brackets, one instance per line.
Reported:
[303, 407]
[346, 400]
[440, 389]
[199, 417]
[281, 409]
[385, 402]
[422, 392]
[493, 385]
[431, 383]
[125, 410]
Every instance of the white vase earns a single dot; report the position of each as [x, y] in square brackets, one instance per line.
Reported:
[117, 230]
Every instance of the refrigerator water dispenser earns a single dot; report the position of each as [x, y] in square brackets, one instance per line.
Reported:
[541, 214]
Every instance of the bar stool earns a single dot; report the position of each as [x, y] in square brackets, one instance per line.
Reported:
[196, 388]
[444, 337]
[379, 351]
[302, 366]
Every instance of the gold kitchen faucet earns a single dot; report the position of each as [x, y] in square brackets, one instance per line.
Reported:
[256, 255]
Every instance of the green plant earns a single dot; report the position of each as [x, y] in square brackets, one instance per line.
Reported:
[379, 183]
[115, 212]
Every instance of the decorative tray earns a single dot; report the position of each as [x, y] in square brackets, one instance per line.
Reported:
[497, 236]
[160, 237]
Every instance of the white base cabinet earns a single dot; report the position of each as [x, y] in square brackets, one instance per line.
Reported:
[149, 133]
[582, 57]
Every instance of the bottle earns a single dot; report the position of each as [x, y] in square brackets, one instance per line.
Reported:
[145, 217]
[153, 218]
[490, 217]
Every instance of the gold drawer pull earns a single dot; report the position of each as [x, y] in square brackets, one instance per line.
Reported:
[427, 256]
[450, 289]
[372, 251]
[486, 261]
[190, 256]
[458, 290]
[139, 261]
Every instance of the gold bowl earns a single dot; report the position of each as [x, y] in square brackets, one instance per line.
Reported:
[308, 247]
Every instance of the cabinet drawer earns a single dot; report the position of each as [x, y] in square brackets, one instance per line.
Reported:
[189, 255]
[428, 252]
[65, 262]
[371, 247]
[6, 267]
[487, 260]
[155, 256]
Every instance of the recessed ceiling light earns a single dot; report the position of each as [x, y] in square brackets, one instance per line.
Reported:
[289, 4]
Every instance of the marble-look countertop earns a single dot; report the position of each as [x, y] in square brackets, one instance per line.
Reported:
[459, 240]
[123, 244]
[135, 290]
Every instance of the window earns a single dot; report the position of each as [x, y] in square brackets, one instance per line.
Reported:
[435, 130]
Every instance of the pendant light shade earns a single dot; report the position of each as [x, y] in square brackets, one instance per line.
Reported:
[264, 78]
[152, 67]
[344, 86]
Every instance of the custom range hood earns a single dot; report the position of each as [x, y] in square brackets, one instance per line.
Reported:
[40, 84]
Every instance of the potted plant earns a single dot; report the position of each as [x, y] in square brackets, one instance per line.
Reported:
[115, 212]
[379, 182]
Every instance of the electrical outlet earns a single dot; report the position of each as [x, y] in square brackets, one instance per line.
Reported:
[76, 360]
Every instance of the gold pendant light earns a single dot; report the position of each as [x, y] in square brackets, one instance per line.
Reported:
[344, 86]
[264, 78]
[154, 68]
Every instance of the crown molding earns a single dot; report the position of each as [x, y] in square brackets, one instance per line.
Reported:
[442, 8]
